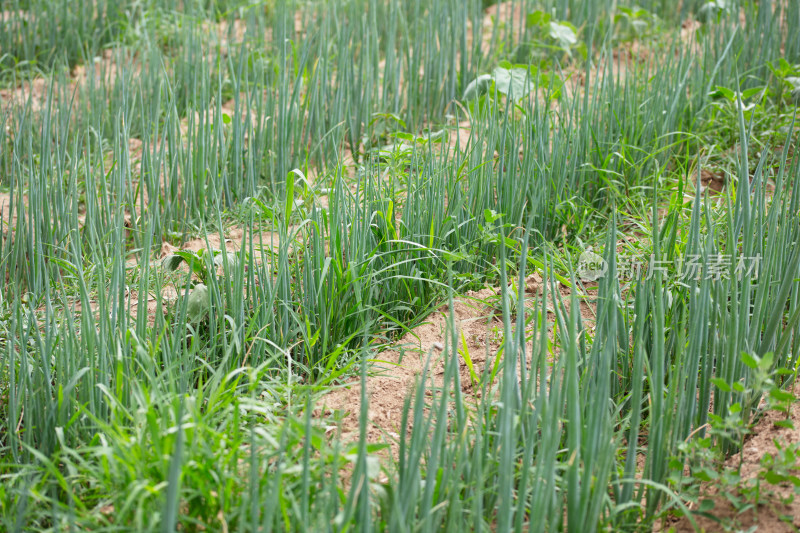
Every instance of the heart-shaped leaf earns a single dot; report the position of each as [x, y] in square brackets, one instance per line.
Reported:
[514, 83]
[172, 262]
[563, 34]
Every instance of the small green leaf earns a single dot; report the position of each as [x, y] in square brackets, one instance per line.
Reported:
[537, 19]
[468, 359]
[705, 474]
[706, 505]
[750, 360]
[390, 116]
[402, 135]
[194, 260]
[751, 92]
[721, 384]
[781, 395]
[226, 118]
[723, 92]
[491, 216]
[773, 478]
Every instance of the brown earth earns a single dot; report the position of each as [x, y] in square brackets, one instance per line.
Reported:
[395, 372]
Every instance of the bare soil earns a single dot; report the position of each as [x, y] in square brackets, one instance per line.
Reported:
[395, 372]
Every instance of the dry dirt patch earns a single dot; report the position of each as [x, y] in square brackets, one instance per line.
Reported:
[395, 372]
[104, 69]
[35, 91]
[398, 369]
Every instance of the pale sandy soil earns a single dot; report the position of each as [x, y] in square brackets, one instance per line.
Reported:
[395, 371]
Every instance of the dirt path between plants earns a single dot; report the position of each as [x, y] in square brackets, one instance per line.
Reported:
[394, 372]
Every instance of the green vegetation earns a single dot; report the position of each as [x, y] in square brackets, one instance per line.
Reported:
[377, 159]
